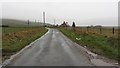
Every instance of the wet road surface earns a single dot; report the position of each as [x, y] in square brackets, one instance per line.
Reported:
[52, 49]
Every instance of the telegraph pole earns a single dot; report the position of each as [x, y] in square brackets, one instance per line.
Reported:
[44, 18]
[28, 23]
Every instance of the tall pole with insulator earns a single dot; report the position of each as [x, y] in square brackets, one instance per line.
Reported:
[44, 18]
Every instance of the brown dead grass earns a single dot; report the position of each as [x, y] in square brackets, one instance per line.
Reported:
[15, 41]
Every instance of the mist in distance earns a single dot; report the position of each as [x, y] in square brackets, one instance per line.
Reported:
[82, 13]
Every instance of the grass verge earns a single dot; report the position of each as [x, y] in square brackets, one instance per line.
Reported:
[14, 39]
[106, 46]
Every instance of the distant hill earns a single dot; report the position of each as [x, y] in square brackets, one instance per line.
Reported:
[21, 23]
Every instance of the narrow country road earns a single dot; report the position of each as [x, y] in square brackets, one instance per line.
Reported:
[52, 49]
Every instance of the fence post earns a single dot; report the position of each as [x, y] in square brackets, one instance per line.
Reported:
[88, 29]
[100, 30]
[113, 30]
[81, 29]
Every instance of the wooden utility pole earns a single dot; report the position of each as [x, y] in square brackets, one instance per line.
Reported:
[44, 18]
[28, 23]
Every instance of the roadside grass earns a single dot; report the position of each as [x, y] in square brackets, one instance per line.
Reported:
[6, 30]
[105, 31]
[14, 39]
[106, 46]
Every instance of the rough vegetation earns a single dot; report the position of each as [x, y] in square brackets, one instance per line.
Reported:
[100, 44]
[14, 39]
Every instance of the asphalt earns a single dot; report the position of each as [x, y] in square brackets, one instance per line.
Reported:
[52, 49]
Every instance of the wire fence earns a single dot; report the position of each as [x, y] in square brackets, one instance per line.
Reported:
[105, 31]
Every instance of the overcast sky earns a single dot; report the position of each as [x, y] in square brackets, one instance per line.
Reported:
[82, 13]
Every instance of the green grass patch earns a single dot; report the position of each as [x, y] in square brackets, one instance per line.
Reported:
[14, 39]
[96, 43]
[6, 30]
